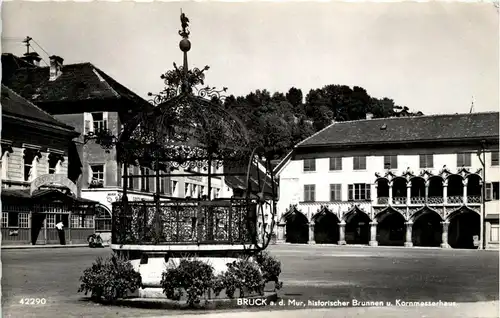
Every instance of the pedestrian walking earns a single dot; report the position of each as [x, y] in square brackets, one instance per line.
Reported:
[60, 231]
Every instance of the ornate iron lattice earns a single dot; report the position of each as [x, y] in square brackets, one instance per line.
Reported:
[182, 222]
[188, 127]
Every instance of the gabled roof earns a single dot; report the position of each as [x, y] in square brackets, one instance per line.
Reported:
[78, 82]
[447, 127]
[16, 106]
[239, 181]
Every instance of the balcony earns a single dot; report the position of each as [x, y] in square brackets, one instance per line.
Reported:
[399, 200]
[472, 199]
[417, 200]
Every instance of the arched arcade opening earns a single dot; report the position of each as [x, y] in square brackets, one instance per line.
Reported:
[357, 228]
[399, 190]
[427, 229]
[464, 225]
[326, 227]
[297, 228]
[435, 194]
[390, 228]
[382, 191]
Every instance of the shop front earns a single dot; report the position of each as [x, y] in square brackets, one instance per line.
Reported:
[30, 216]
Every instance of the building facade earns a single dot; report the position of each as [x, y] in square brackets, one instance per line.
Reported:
[86, 98]
[411, 181]
[39, 167]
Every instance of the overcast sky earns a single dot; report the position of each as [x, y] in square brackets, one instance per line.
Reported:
[431, 57]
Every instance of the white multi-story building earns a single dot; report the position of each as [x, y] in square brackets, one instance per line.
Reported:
[412, 181]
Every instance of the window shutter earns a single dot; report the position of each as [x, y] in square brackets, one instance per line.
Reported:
[351, 192]
[368, 191]
[489, 192]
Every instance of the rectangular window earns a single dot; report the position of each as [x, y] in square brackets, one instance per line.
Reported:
[103, 224]
[144, 179]
[53, 160]
[494, 233]
[463, 159]
[99, 122]
[174, 188]
[309, 165]
[5, 219]
[51, 221]
[130, 181]
[359, 163]
[23, 220]
[13, 219]
[359, 191]
[391, 162]
[335, 192]
[494, 158]
[335, 163]
[97, 175]
[76, 221]
[88, 221]
[162, 183]
[309, 192]
[29, 161]
[427, 161]
[492, 191]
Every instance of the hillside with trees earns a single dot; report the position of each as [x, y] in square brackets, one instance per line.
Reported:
[279, 121]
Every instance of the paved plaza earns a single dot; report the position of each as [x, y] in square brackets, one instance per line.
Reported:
[310, 273]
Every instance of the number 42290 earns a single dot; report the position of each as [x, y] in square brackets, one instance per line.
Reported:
[33, 301]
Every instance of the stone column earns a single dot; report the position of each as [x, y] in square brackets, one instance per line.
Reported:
[426, 190]
[444, 243]
[408, 241]
[445, 191]
[373, 233]
[408, 193]
[465, 190]
[311, 234]
[390, 192]
[342, 233]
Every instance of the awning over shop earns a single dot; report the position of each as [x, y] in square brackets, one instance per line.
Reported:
[45, 196]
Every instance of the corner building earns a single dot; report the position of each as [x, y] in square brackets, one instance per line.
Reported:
[408, 181]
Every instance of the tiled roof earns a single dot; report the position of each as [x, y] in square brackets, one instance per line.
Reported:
[407, 129]
[77, 82]
[15, 105]
[239, 182]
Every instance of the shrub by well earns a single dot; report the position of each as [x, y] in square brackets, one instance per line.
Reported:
[191, 276]
[110, 279]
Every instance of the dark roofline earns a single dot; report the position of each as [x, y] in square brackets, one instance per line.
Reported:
[399, 142]
[59, 124]
[110, 81]
[333, 144]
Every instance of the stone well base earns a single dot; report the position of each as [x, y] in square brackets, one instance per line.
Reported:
[152, 271]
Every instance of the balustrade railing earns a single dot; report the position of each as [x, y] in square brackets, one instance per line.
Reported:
[183, 222]
[435, 200]
[455, 199]
[474, 199]
[399, 200]
[417, 200]
[383, 200]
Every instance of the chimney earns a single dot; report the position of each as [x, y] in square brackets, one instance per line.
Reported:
[56, 63]
[369, 116]
[32, 58]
